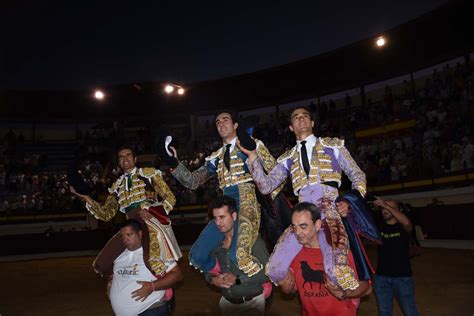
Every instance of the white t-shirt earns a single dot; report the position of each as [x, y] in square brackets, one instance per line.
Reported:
[129, 268]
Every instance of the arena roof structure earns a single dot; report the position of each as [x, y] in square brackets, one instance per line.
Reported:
[435, 37]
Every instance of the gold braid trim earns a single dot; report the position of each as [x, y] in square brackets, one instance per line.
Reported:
[331, 142]
[156, 263]
[164, 191]
[340, 246]
[149, 172]
[236, 175]
[249, 224]
[104, 212]
[115, 185]
[163, 245]
[216, 154]
[287, 155]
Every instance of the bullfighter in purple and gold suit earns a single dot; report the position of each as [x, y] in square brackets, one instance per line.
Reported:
[315, 166]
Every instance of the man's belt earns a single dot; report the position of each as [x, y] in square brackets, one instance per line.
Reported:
[241, 300]
[330, 183]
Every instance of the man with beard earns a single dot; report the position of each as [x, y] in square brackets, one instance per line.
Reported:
[394, 275]
[241, 295]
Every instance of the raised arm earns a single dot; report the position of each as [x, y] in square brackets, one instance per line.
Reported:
[268, 162]
[266, 183]
[392, 207]
[191, 180]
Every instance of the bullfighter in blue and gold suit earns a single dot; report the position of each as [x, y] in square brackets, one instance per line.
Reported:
[228, 164]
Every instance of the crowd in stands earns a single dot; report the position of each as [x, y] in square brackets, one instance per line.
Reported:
[439, 142]
[27, 188]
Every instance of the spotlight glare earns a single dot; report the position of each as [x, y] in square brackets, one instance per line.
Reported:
[380, 42]
[180, 91]
[169, 88]
[99, 95]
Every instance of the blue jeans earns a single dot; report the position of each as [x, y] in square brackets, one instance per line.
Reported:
[402, 287]
[163, 310]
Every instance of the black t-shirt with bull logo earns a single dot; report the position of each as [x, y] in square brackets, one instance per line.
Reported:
[393, 257]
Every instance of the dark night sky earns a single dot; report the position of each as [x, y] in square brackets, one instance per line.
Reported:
[58, 45]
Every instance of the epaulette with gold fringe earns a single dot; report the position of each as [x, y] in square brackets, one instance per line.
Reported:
[116, 185]
[214, 154]
[332, 142]
[288, 154]
[149, 172]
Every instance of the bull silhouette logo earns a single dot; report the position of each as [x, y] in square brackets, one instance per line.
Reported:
[310, 275]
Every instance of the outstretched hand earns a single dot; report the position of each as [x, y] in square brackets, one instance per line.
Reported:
[83, 197]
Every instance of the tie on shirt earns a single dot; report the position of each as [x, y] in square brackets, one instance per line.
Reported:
[304, 158]
[129, 182]
[227, 156]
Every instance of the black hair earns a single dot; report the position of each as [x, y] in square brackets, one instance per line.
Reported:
[129, 147]
[133, 223]
[223, 201]
[232, 114]
[310, 207]
[297, 108]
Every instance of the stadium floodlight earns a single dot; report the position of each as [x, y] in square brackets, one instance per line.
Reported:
[169, 88]
[99, 95]
[380, 41]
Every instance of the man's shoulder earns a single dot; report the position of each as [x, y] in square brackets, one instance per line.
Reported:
[214, 155]
[116, 185]
[287, 155]
[149, 172]
[259, 143]
[125, 255]
[331, 142]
